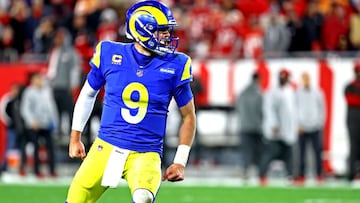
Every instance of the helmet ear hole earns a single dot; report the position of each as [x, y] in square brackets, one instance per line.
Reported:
[152, 43]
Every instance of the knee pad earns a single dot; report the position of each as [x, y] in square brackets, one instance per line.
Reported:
[142, 196]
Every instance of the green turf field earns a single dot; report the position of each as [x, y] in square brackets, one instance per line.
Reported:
[173, 194]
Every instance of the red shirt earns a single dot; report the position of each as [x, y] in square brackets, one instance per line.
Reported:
[331, 37]
[227, 41]
[352, 94]
[200, 22]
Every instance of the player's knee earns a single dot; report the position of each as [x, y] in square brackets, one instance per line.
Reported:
[142, 196]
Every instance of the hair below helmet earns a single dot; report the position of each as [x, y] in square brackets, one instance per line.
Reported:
[144, 19]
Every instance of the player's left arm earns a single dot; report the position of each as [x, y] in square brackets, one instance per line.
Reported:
[185, 100]
[175, 172]
[188, 125]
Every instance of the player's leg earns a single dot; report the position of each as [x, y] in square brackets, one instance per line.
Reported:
[287, 157]
[34, 137]
[302, 153]
[354, 131]
[258, 149]
[143, 175]
[86, 185]
[317, 147]
[49, 142]
[247, 144]
[272, 150]
[142, 195]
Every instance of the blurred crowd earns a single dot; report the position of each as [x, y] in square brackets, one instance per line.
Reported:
[63, 33]
[207, 28]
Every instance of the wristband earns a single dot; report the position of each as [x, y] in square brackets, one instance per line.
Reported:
[182, 154]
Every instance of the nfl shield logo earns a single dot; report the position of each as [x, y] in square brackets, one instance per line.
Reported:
[100, 147]
[139, 73]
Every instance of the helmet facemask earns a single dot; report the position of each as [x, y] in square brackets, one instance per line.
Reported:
[169, 43]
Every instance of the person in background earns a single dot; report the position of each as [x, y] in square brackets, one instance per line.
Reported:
[249, 109]
[39, 112]
[17, 136]
[352, 97]
[64, 73]
[312, 23]
[310, 107]
[280, 126]
[354, 27]
[43, 36]
[140, 80]
[7, 51]
[19, 13]
[276, 37]
[10, 117]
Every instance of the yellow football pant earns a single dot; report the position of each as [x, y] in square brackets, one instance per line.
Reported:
[141, 170]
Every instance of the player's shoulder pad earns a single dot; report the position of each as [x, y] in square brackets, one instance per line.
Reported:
[105, 46]
[110, 46]
[183, 62]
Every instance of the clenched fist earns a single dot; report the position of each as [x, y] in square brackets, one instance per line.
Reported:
[175, 172]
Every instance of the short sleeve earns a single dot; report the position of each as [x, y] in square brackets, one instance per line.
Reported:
[95, 77]
[185, 75]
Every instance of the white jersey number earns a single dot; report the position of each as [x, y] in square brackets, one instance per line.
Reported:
[141, 105]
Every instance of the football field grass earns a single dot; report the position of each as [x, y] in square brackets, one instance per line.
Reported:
[194, 194]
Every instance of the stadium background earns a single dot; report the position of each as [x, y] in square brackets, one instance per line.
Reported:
[224, 66]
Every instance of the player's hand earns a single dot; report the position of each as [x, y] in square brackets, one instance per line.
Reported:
[77, 149]
[175, 172]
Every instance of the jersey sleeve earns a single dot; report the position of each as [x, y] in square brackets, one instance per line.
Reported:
[183, 95]
[95, 77]
[185, 74]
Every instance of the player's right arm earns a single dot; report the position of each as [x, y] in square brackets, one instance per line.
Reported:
[85, 104]
[83, 108]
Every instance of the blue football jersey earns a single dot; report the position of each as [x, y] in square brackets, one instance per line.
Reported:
[136, 97]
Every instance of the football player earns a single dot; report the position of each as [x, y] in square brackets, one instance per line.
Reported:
[140, 79]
